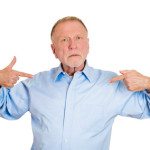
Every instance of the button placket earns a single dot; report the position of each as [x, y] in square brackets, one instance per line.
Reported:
[68, 114]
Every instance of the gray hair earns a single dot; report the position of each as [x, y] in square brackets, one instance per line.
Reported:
[68, 18]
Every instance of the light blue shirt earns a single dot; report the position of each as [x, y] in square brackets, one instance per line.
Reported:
[72, 113]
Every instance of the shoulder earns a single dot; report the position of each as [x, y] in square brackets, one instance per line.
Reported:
[104, 74]
[40, 77]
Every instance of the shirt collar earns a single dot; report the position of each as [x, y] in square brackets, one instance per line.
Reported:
[87, 72]
[59, 73]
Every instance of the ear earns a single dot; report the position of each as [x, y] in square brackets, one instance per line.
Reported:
[53, 49]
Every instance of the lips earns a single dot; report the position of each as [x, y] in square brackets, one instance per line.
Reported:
[74, 55]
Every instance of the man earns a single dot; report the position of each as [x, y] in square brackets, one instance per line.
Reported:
[73, 106]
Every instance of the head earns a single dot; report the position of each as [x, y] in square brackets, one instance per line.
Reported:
[70, 43]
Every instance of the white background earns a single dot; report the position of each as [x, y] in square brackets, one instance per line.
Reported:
[119, 32]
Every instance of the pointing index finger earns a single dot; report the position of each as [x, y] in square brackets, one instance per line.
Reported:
[23, 74]
[117, 78]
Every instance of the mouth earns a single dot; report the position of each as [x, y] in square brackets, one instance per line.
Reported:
[74, 55]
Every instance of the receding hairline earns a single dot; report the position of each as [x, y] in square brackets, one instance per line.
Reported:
[65, 19]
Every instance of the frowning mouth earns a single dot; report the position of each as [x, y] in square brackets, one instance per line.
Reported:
[74, 55]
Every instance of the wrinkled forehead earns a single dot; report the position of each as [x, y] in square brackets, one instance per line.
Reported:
[69, 26]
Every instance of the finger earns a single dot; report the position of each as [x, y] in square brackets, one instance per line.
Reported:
[8, 85]
[15, 79]
[117, 78]
[12, 81]
[23, 74]
[123, 71]
[10, 66]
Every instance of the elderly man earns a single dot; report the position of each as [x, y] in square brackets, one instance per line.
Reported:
[74, 105]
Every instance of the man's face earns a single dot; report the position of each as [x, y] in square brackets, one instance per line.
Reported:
[70, 43]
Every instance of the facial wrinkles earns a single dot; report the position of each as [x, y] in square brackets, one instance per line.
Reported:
[69, 49]
[72, 47]
[64, 29]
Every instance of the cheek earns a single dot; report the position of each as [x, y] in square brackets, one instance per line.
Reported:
[61, 53]
[85, 49]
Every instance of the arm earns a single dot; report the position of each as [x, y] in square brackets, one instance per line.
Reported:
[135, 100]
[13, 101]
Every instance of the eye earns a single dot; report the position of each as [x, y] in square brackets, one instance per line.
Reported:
[78, 37]
[64, 39]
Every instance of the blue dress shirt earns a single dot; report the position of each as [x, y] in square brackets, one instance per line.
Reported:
[72, 113]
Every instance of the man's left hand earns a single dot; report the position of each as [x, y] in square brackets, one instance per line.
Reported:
[133, 80]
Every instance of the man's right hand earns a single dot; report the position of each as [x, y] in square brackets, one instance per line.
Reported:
[8, 76]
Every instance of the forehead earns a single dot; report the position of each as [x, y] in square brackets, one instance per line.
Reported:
[70, 26]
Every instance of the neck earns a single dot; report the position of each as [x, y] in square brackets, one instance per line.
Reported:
[72, 70]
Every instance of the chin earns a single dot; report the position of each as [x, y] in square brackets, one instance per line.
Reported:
[75, 61]
[76, 64]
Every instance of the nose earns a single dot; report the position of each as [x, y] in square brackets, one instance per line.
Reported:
[72, 44]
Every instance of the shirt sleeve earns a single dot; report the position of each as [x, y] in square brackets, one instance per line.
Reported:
[14, 102]
[134, 104]
[147, 92]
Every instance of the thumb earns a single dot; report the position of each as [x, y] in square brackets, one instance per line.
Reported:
[12, 63]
